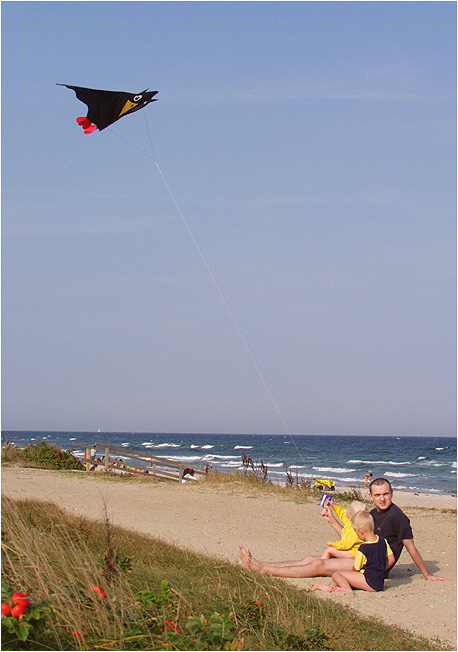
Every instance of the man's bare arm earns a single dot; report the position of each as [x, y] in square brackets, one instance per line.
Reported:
[416, 557]
[390, 561]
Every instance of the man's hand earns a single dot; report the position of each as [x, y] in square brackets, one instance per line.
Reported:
[436, 578]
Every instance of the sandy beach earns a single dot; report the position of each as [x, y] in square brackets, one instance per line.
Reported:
[214, 520]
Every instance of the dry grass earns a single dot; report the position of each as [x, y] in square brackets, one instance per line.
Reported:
[59, 558]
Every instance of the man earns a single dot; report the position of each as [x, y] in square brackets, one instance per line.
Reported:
[390, 522]
[394, 526]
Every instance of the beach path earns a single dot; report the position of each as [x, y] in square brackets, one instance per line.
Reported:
[215, 519]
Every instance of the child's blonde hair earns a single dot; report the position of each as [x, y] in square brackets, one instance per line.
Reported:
[363, 521]
[355, 507]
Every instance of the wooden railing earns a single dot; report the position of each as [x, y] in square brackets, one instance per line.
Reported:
[114, 459]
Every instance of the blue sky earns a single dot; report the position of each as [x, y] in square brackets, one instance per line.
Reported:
[310, 148]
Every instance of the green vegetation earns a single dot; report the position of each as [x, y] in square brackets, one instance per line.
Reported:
[40, 455]
[254, 474]
[299, 491]
[158, 596]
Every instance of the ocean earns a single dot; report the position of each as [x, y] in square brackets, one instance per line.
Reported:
[422, 464]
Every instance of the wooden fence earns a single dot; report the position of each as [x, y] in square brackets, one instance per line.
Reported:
[121, 460]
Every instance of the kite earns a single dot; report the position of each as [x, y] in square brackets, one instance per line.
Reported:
[105, 107]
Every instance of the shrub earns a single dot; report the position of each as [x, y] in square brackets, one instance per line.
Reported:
[51, 457]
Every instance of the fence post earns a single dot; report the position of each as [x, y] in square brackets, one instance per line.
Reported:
[87, 457]
[107, 458]
[180, 473]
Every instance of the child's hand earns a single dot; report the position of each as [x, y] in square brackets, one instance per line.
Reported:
[326, 514]
[329, 543]
[331, 503]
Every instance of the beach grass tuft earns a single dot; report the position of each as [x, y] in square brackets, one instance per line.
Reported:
[160, 596]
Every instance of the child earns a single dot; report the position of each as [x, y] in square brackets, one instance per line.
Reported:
[372, 559]
[349, 541]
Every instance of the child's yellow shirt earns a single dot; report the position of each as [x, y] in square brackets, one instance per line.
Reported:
[349, 540]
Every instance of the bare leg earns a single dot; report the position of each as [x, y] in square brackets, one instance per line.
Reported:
[256, 565]
[316, 567]
[294, 562]
[346, 581]
[333, 552]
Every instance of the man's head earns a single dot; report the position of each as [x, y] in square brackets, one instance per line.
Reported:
[381, 494]
[363, 524]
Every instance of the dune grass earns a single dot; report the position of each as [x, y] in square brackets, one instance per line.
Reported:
[159, 596]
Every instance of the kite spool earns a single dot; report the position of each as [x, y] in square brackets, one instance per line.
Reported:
[325, 500]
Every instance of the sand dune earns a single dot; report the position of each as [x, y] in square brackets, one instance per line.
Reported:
[214, 520]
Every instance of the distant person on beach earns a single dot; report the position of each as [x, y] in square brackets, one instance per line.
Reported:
[188, 474]
[372, 559]
[390, 522]
[367, 477]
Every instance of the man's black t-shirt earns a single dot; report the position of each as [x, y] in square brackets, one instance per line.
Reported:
[394, 526]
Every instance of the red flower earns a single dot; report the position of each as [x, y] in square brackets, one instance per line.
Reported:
[172, 626]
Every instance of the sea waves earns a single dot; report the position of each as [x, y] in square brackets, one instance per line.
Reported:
[411, 463]
[381, 462]
[149, 444]
[330, 469]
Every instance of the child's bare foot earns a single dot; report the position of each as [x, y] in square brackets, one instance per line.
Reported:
[321, 587]
[341, 590]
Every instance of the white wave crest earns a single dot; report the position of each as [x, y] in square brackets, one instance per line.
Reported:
[432, 463]
[379, 462]
[399, 475]
[247, 447]
[330, 469]
[350, 480]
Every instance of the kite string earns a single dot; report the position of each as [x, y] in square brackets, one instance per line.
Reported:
[215, 283]
[244, 342]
